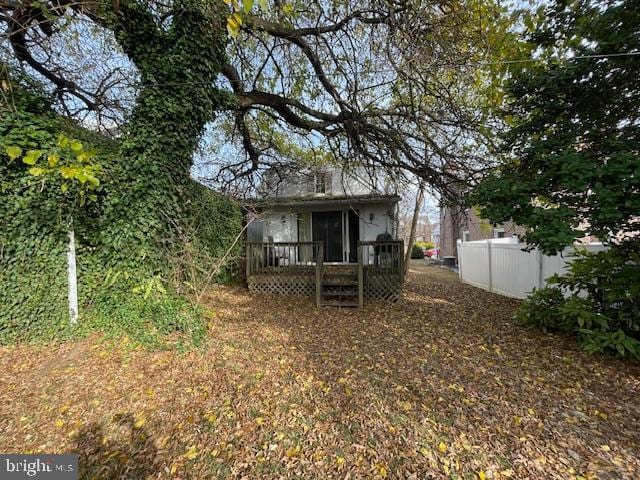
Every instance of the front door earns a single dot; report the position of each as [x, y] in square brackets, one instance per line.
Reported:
[327, 228]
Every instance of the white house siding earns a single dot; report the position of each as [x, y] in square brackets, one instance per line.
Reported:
[381, 222]
[282, 225]
[342, 184]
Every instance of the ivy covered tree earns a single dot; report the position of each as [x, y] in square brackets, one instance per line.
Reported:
[571, 165]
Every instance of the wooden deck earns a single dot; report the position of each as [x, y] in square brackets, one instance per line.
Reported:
[297, 268]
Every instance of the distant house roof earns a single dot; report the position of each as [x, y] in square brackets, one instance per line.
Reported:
[313, 201]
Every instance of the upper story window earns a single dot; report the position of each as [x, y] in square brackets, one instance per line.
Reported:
[498, 233]
[465, 236]
[320, 183]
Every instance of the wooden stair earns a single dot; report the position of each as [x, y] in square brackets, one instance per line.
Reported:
[339, 290]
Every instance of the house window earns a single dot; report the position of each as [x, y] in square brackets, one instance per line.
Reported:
[465, 236]
[321, 181]
[498, 233]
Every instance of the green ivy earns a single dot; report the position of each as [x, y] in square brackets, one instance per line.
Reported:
[143, 207]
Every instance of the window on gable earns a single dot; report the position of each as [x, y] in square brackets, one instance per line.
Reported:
[498, 233]
[321, 183]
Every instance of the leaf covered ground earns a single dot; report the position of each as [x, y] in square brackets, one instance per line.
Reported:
[441, 385]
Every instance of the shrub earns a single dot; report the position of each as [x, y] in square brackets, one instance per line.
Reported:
[417, 252]
[426, 245]
[598, 299]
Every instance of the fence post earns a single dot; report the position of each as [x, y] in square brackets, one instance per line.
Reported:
[248, 261]
[401, 260]
[489, 259]
[459, 250]
[540, 262]
[360, 277]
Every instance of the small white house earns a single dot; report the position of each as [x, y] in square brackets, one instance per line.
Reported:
[328, 206]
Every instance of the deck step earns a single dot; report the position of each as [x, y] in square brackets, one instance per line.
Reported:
[340, 279]
[340, 293]
[336, 303]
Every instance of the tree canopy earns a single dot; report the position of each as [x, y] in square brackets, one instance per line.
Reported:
[389, 84]
[571, 167]
[571, 154]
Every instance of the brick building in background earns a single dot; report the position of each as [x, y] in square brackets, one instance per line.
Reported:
[457, 223]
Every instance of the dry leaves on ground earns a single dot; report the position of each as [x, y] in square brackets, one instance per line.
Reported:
[441, 385]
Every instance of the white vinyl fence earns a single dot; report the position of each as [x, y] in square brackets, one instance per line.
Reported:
[503, 267]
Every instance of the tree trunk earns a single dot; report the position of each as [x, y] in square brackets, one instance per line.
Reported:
[178, 69]
[414, 225]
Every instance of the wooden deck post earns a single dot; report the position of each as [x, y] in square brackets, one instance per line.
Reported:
[319, 264]
[360, 277]
[248, 260]
[401, 260]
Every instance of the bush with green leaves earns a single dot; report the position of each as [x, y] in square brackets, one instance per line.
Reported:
[426, 245]
[417, 252]
[598, 299]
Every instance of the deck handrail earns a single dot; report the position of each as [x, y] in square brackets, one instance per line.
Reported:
[278, 256]
[385, 255]
[319, 273]
[376, 242]
[284, 243]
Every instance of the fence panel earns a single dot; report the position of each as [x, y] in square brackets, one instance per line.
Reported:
[509, 270]
[514, 272]
[473, 260]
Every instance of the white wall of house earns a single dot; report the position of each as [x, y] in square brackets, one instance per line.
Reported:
[283, 225]
[341, 184]
[381, 222]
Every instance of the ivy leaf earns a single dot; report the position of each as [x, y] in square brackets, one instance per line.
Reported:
[247, 5]
[76, 146]
[64, 187]
[36, 171]
[63, 141]
[264, 5]
[93, 180]
[53, 159]
[13, 152]
[32, 157]
[287, 9]
[68, 172]
[233, 27]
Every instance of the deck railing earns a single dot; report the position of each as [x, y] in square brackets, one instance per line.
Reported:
[298, 268]
[281, 257]
[388, 256]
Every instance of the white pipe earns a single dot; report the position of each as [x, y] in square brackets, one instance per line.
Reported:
[72, 276]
